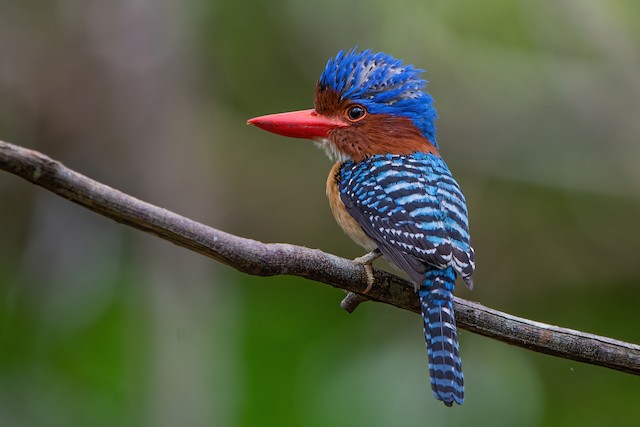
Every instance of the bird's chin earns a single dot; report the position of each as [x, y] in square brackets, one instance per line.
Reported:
[331, 150]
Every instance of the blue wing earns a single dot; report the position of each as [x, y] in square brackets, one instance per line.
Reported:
[413, 209]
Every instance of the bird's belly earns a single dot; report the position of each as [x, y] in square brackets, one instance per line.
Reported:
[343, 218]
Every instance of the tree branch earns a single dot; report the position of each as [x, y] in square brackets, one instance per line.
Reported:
[257, 258]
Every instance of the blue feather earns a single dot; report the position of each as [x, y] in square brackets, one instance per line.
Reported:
[414, 211]
[383, 85]
[411, 194]
[441, 335]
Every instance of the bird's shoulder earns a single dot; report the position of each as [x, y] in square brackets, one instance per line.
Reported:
[419, 175]
[410, 204]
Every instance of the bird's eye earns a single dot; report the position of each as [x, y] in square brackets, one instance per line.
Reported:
[356, 113]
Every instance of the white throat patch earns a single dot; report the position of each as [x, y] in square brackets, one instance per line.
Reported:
[331, 150]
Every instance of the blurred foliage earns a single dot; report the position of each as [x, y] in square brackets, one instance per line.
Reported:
[101, 325]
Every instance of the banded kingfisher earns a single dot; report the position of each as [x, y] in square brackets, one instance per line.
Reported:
[390, 190]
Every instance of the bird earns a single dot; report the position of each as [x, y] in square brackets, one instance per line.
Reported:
[390, 190]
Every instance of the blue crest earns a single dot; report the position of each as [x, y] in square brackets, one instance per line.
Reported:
[383, 85]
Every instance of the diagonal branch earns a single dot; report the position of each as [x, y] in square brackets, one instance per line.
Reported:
[261, 259]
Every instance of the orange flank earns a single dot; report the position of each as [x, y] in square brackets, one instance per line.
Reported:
[343, 218]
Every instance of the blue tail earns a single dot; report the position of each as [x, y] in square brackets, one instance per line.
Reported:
[445, 366]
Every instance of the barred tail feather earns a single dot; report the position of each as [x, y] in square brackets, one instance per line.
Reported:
[445, 365]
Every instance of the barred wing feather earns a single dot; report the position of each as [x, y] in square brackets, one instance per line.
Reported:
[413, 209]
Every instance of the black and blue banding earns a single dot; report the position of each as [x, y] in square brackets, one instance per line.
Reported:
[413, 204]
[441, 335]
[415, 212]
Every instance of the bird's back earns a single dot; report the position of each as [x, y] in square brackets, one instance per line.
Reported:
[413, 209]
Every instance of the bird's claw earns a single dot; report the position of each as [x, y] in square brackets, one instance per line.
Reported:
[367, 259]
[352, 300]
[371, 278]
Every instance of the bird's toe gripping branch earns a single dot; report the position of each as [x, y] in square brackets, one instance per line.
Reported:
[352, 300]
[366, 261]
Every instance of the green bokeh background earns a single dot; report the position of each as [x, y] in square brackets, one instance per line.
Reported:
[102, 325]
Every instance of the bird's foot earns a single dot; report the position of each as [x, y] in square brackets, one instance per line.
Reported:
[352, 300]
[367, 259]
